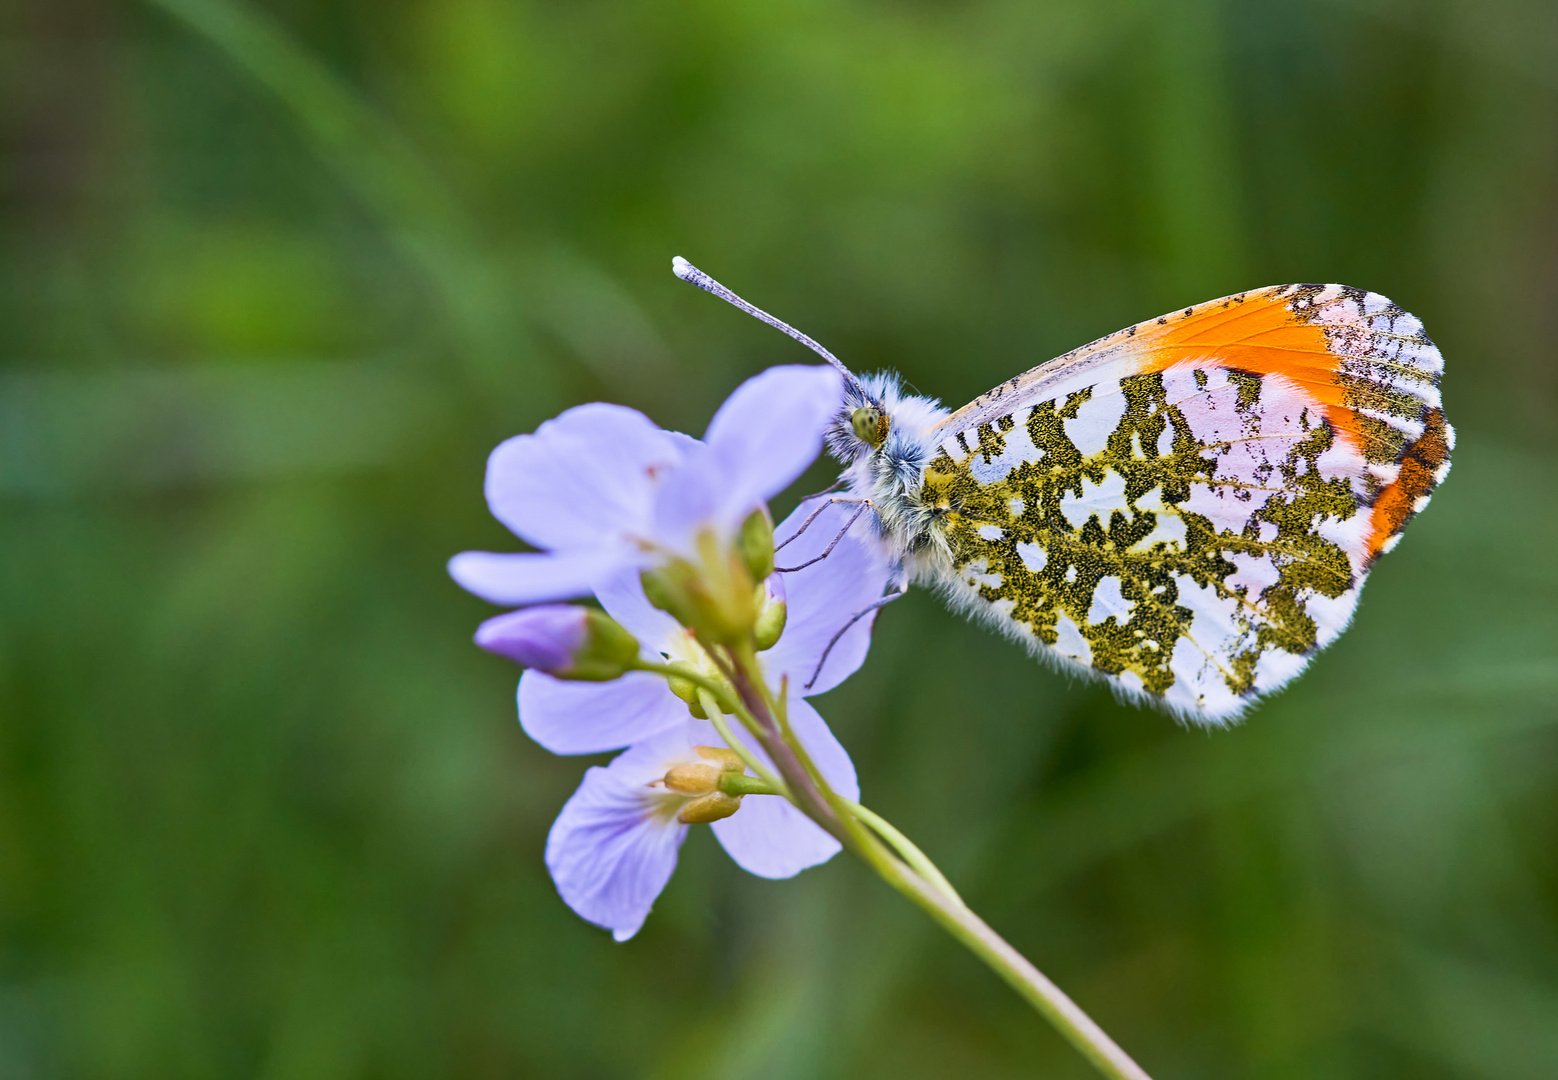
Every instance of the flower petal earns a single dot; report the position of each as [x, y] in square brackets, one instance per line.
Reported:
[771, 838]
[822, 598]
[589, 717]
[768, 432]
[532, 577]
[690, 500]
[583, 478]
[612, 850]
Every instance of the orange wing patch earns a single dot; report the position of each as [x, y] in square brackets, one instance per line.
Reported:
[1425, 465]
[1366, 361]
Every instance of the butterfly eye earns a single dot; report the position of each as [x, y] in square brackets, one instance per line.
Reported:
[870, 424]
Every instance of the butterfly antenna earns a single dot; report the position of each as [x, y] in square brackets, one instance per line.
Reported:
[691, 274]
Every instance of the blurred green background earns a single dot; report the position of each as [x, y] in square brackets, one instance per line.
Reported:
[275, 278]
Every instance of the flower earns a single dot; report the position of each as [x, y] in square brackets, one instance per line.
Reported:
[614, 845]
[600, 487]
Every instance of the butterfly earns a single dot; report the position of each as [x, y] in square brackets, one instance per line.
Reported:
[1186, 509]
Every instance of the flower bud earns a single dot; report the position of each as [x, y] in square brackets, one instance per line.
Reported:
[705, 781]
[562, 640]
[686, 689]
[708, 808]
[712, 598]
[693, 779]
[772, 612]
[728, 760]
[756, 544]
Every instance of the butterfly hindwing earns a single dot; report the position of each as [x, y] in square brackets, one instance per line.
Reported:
[1191, 512]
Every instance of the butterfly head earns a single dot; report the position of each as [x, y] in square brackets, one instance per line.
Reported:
[883, 431]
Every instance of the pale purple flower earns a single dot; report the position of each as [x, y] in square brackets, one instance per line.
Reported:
[614, 846]
[600, 487]
[605, 494]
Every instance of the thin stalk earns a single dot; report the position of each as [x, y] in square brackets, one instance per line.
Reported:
[1048, 999]
[903, 847]
[788, 754]
[717, 718]
[910, 872]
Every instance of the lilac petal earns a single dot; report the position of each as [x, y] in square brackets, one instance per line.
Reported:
[690, 500]
[612, 850]
[824, 596]
[582, 479]
[531, 578]
[769, 431]
[588, 717]
[544, 637]
[621, 594]
[771, 838]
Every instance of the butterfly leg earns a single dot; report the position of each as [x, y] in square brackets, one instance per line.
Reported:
[889, 598]
[865, 504]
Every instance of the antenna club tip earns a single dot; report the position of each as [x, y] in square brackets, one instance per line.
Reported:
[682, 268]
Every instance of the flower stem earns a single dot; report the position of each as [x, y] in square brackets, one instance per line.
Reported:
[904, 847]
[928, 887]
[1048, 999]
[908, 871]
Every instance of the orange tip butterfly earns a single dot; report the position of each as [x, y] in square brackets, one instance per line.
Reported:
[1185, 509]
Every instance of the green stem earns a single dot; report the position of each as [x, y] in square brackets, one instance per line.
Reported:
[944, 907]
[910, 872]
[734, 783]
[1048, 999]
[905, 847]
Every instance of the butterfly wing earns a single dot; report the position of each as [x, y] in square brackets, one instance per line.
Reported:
[1188, 508]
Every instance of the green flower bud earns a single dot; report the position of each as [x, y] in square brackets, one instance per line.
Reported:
[608, 652]
[686, 689]
[709, 808]
[756, 544]
[713, 598]
[770, 624]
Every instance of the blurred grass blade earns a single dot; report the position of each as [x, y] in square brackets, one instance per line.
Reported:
[374, 161]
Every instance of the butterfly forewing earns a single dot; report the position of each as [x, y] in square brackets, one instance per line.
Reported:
[1189, 507]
